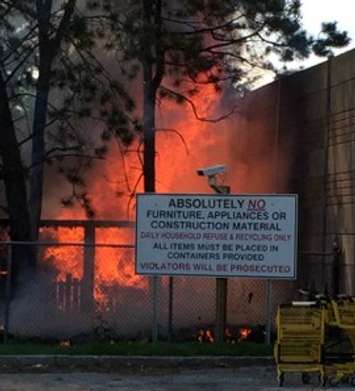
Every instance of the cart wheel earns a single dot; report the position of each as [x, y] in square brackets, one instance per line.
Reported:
[306, 378]
[334, 381]
[323, 380]
[352, 381]
[319, 380]
[280, 379]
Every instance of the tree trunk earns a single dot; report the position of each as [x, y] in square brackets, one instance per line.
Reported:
[38, 145]
[15, 190]
[150, 87]
[48, 50]
[149, 138]
[153, 72]
[46, 56]
[148, 103]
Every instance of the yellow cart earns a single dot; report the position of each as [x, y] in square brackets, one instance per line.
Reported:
[300, 339]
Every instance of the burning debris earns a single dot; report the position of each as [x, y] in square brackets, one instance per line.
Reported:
[205, 336]
[244, 334]
[65, 344]
[232, 334]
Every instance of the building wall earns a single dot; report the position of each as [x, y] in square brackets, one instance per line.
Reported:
[306, 122]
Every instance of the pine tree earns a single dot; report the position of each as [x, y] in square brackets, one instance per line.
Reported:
[176, 46]
[52, 88]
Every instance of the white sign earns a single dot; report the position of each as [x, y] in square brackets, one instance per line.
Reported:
[217, 235]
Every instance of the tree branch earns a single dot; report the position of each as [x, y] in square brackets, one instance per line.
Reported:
[23, 40]
[64, 23]
[25, 140]
[20, 64]
[233, 41]
[21, 6]
[201, 30]
[181, 137]
[160, 51]
[194, 108]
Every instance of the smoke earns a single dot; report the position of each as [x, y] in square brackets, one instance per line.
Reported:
[34, 313]
[260, 154]
[247, 142]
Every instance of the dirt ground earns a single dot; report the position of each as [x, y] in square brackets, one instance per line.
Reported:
[242, 379]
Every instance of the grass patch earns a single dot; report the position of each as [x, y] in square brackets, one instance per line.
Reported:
[140, 349]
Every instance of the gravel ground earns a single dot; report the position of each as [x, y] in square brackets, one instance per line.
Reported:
[241, 379]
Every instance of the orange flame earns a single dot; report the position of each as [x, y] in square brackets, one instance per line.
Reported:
[181, 140]
[183, 145]
[205, 336]
[244, 333]
[65, 260]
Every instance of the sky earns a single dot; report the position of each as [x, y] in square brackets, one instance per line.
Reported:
[314, 13]
[317, 11]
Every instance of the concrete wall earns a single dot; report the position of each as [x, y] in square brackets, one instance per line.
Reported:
[305, 124]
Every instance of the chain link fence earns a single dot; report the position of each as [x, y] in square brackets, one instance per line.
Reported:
[55, 306]
[327, 272]
[56, 303]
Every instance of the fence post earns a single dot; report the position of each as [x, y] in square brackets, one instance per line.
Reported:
[170, 309]
[221, 308]
[76, 294]
[8, 292]
[68, 292]
[221, 291]
[61, 295]
[268, 311]
[89, 268]
[155, 309]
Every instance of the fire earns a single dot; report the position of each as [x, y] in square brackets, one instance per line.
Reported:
[115, 266]
[205, 336]
[66, 260]
[231, 336]
[244, 333]
[65, 344]
[183, 144]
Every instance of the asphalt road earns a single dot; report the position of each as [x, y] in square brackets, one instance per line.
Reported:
[241, 379]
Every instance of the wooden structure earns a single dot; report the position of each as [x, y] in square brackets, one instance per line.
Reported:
[67, 294]
[73, 293]
[89, 226]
